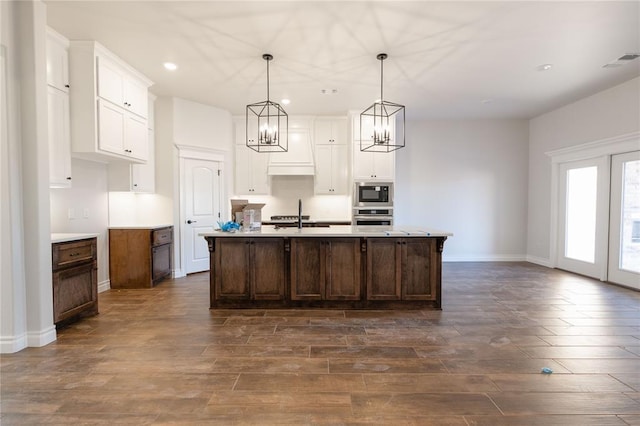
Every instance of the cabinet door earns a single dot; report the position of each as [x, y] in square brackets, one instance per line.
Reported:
[110, 81]
[111, 123]
[267, 268]
[136, 97]
[232, 268]
[136, 134]
[74, 291]
[251, 172]
[331, 169]
[419, 274]
[57, 65]
[307, 269]
[384, 165]
[362, 164]
[160, 261]
[384, 268]
[339, 169]
[59, 138]
[324, 169]
[143, 176]
[343, 274]
[323, 132]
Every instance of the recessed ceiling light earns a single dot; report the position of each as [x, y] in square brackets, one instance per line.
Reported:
[170, 66]
[545, 67]
[286, 102]
[329, 91]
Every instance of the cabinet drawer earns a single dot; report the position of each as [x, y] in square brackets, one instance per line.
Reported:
[68, 254]
[162, 236]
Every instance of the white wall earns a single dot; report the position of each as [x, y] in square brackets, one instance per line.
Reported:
[468, 177]
[26, 292]
[87, 198]
[609, 113]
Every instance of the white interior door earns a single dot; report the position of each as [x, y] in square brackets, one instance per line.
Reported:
[624, 227]
[583, 217]
[202, 210]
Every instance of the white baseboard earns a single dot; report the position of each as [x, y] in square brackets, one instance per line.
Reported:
[540, 261]
[41, 338]
[12, 344]
[104, 286]
[490, 258]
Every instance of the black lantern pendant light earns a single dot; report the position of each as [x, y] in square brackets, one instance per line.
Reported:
[382, 124]
[267, 123]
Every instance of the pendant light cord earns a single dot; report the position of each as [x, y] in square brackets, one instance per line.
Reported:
[381, 79]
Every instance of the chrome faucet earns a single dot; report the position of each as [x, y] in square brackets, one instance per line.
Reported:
[299, 213]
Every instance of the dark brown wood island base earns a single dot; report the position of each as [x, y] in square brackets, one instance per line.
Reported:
[337, 268]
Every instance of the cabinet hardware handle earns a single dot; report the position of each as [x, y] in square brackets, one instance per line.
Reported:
[68, 177]
[66, 85]
[189, 222]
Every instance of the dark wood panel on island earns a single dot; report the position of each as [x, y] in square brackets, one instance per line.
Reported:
[325, 271]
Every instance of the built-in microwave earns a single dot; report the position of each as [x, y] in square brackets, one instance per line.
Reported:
[373, 194]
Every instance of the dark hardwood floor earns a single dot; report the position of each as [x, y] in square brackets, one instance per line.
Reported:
[160, 356]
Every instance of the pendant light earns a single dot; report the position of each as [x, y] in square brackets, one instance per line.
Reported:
[267, 123]
[382, 124]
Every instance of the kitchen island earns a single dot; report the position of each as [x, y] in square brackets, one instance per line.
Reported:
[342, 267]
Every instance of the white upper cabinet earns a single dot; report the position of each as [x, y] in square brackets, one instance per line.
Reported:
[330, 131]
[116, 86]
[251, 176]
[109, 106]
[373, 165]
[57, 61]
[369, 165]
[59, 133]
[332, 171]
[137, 177]
[331, 156]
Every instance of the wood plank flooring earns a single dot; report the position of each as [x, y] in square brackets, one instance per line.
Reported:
[160, 356]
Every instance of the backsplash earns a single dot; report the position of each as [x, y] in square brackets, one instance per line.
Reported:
[285, 192]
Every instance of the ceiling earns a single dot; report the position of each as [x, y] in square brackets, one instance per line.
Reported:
[448, 59]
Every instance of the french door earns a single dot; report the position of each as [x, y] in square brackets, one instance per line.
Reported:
[583, 216]
[624, 232]
[599, 218]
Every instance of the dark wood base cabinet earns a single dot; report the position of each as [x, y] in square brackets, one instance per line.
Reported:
[140, 257]
[325, 272]
[75, 280]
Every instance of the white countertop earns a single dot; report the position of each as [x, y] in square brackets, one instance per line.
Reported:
[64, 237]
[140, 227]
[335, 231]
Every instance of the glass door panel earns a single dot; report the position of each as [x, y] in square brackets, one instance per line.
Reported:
[624, 232]
[582, 215]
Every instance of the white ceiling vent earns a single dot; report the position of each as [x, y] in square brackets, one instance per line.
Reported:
[622, 60]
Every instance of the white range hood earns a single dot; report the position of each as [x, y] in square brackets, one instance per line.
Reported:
[298, 160]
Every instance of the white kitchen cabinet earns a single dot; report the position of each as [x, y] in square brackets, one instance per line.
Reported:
[59, 133]
[116, 86]
[59, 138]
[330, 131]
[108, 106]
[57, 61]
[373, 165]
[332, 172]
[137, 177]
[251, 172]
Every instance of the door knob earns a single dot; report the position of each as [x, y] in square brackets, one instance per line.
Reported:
[189, 222]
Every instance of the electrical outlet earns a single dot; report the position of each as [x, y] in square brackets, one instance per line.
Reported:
[85, 213]
[71, 214]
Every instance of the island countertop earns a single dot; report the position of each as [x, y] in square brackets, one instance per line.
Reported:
[334, 231]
